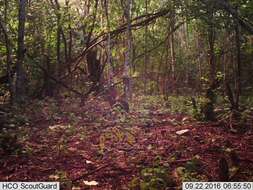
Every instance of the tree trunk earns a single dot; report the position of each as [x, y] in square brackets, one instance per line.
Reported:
[146, 53]
[20, 82]
[208, 107]
[187, 39]
[70, 31]
[58, 39]
[211, 39]
[167, 70]
[238, 66]
[48, 83]
[172, 54]
[128, 54]
[8, 50]
[112, 92]
[201, 57]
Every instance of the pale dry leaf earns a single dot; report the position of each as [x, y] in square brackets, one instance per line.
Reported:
[54, 177]
[182, 132]
[76, 188]
[88, 162]
[90, 183]
[72, 149]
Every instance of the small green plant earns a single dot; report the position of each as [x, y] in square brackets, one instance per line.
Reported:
[202, 108]
[194, 164]
[195, 109]
[154, 178]
[102, 142]
[62, 176]
[70, 130]
[62, 148]
[190, 171]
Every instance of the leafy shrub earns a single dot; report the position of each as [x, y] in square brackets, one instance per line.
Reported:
[154, 178]
[62, 176]
[190, 171]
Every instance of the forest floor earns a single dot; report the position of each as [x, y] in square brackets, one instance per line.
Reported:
[97, 147]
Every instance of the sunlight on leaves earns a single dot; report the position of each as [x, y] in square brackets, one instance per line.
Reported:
[58, 127]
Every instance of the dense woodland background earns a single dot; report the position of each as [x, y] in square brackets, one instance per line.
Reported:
[125, 63]
[158, 47]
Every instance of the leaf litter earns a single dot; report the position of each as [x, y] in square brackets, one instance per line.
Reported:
[93, 147]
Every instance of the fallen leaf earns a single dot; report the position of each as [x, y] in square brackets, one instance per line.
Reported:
[54, 177]
[72, 149]
[186, 119]
[76, 188]
[149, 147]
[90, 183]
[88, 162]
[182, 132]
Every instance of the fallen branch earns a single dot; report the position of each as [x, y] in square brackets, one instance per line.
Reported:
[90, 173]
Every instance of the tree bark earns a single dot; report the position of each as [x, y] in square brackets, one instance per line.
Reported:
[211, 39]
[128, 53]
[145, 51]
[58, 39]
[238, 66]
[8, 49]
[112, 92]
[208, 108]
[70, 31]
[172, 54]
[20, 82]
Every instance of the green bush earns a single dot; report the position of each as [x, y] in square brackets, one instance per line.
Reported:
[154, 178]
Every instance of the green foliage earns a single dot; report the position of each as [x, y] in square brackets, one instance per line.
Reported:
[206, 108]
[61, 176]
[203, 109]
[61, 147]
[179, 104]
[155, 178]
[247, 100]
[190, 171]
[186, 175]
[20, 119]
[194, 106]
[193, 165]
